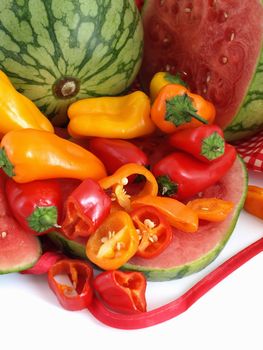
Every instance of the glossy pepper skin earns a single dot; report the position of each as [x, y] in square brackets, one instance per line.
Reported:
[115, 152]
[205, 142]
[176, 213]
[154, 230]
[161, 79]
[122, 291]
[86, 208]
[254, 201]
[17, 111]
[27, 155]
[78, 294]
[117, 182]
[36, 205]
[114, 242]
[123, 117]
[177, 108]
[181, 176]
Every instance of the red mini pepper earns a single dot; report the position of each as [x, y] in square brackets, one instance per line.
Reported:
[122, 291]
[78, 293]
[36, 205]
[205, 142]
[85, 209]
[180, 175]
[155, 232]
[115, 152]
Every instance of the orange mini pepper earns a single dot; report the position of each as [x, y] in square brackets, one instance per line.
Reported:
[119, 179]
[254, 201]
[177, 214]
[28, 154]
[211, 209]
[17, 111]
[123, 117]
[114, 242]
[176, 108]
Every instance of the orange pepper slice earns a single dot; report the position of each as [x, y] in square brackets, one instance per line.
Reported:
[117, 181]
[177, 214]
[211, 209]
[114, 243]
[254, 201]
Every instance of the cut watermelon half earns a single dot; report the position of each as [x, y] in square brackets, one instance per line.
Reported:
[188, 252]
[216, 47]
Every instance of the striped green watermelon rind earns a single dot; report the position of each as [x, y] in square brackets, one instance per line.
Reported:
[249, 119]
[186, 269]
[74, 248]
[59, 51]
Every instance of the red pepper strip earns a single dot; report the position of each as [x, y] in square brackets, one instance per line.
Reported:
[122, 291]
[154, 230]
[179, 305]
[44, 263]
[79, 295]
[86, 208]
[205, 142]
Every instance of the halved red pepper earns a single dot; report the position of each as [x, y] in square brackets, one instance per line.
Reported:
[116, 152]
[122, 291]
[36, 205]
[180, 175]
[155, 232]
[85, 209]
[205, 142]
[77, 294]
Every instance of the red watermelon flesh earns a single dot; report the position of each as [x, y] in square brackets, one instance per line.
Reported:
[19, 249]
[214, 45]
[189, 253]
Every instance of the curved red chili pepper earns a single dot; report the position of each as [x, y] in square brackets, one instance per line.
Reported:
[179, 305]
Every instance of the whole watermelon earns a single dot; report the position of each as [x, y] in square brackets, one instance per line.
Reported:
[216, 47]
[58, 51]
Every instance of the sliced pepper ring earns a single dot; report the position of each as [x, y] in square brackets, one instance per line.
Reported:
[78, 295]
[117, 182]
[154, 230]
[122, 291]
[114, 243]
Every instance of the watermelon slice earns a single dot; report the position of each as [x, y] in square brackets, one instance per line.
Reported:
[216, 47]
[19, 250]
[187, 253]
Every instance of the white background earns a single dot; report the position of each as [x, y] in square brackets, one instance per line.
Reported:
[230, 316]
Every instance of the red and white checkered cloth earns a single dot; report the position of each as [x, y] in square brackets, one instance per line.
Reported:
[251, 150]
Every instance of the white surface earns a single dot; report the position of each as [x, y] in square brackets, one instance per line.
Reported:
[230, 316]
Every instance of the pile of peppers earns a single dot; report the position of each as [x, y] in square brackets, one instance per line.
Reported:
[125, 174]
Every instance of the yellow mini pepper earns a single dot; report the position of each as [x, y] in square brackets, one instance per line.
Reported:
[124, 117]
[162, 79]
[17, 111]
